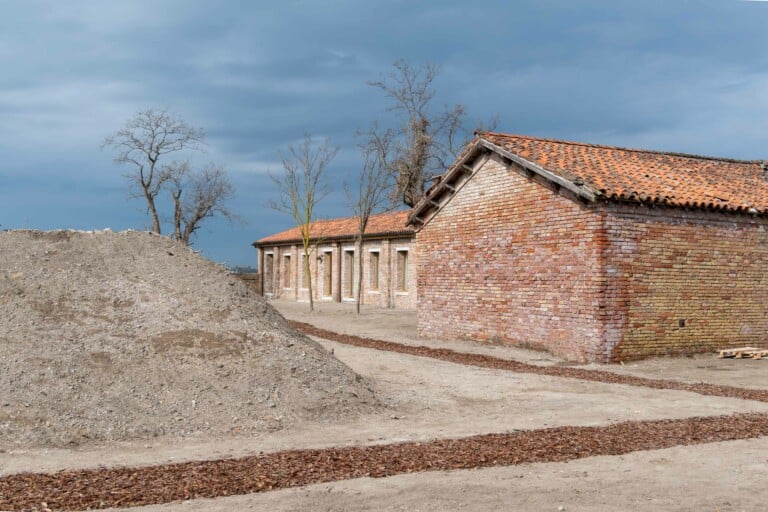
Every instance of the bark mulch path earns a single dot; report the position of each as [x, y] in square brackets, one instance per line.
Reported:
[113, 487]
[485, 361]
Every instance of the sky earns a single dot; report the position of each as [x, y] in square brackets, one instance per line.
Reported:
[676, 75]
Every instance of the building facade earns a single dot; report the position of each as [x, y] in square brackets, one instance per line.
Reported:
[389, 262]
[594, 253]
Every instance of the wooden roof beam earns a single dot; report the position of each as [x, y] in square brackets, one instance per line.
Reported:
[582, 191]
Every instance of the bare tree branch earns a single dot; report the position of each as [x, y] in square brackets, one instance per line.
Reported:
[197, 195]
[301, 187]
[488, 126]
[371, 193]
[427, 140]
[140, 144]
[409, 87]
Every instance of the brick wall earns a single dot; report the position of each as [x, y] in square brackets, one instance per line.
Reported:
[684, 282]
[396, 288]
[510, 259]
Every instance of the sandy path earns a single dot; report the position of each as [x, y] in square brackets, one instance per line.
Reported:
[715, 477]
[400, 327]
[426, 399]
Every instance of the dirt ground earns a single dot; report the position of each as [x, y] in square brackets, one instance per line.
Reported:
[400, 326]
[715, 477]
[426, 398]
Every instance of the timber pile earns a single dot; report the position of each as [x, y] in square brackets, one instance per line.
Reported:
[743, 353]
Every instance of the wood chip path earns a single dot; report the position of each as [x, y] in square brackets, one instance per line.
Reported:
[122, 487]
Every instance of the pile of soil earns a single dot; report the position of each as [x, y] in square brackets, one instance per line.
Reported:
[114, 336]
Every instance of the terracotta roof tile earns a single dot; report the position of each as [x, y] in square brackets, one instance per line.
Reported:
[385, 224]
[646, 176]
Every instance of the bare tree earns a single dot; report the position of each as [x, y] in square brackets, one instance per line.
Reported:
[197, 195]
[301, 187]
[371, 193]
[427, 140]
[140, 145]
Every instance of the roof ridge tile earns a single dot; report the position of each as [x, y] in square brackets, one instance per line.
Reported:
[619, 148]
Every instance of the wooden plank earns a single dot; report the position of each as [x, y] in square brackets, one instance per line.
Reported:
[737, 352]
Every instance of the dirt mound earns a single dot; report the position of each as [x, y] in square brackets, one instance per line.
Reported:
[111, 336]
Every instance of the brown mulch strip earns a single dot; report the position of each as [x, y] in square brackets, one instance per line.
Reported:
[99, 488]
[485, 361]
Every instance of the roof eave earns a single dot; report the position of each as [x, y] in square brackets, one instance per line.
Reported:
[417, 218]
[583, 191]
[335, 238]
[695, 206]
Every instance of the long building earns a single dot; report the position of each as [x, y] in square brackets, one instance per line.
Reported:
[389, 262]
[591, 252]
[594, 253]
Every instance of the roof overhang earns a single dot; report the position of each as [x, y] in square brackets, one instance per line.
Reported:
[335, 238]
[466, 165]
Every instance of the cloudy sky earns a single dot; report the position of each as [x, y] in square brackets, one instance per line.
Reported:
[689, 76]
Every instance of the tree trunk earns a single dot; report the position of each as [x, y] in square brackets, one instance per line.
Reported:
[151, 197]
[155, 219]
[177, 214]
[359, 251]
[152, 212]
[308, 273]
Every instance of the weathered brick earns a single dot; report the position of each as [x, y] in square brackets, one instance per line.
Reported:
[511, 258]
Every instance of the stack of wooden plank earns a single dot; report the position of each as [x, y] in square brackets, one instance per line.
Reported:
[743, 352]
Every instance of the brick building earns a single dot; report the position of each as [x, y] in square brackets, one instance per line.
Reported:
[389, 262]
[594, 253]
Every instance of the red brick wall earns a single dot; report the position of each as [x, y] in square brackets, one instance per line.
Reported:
[509, 259]
[709, 270]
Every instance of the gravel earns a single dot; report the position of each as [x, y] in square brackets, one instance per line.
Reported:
[118, 336]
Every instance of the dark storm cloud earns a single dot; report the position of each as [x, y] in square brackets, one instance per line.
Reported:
[684, 75]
